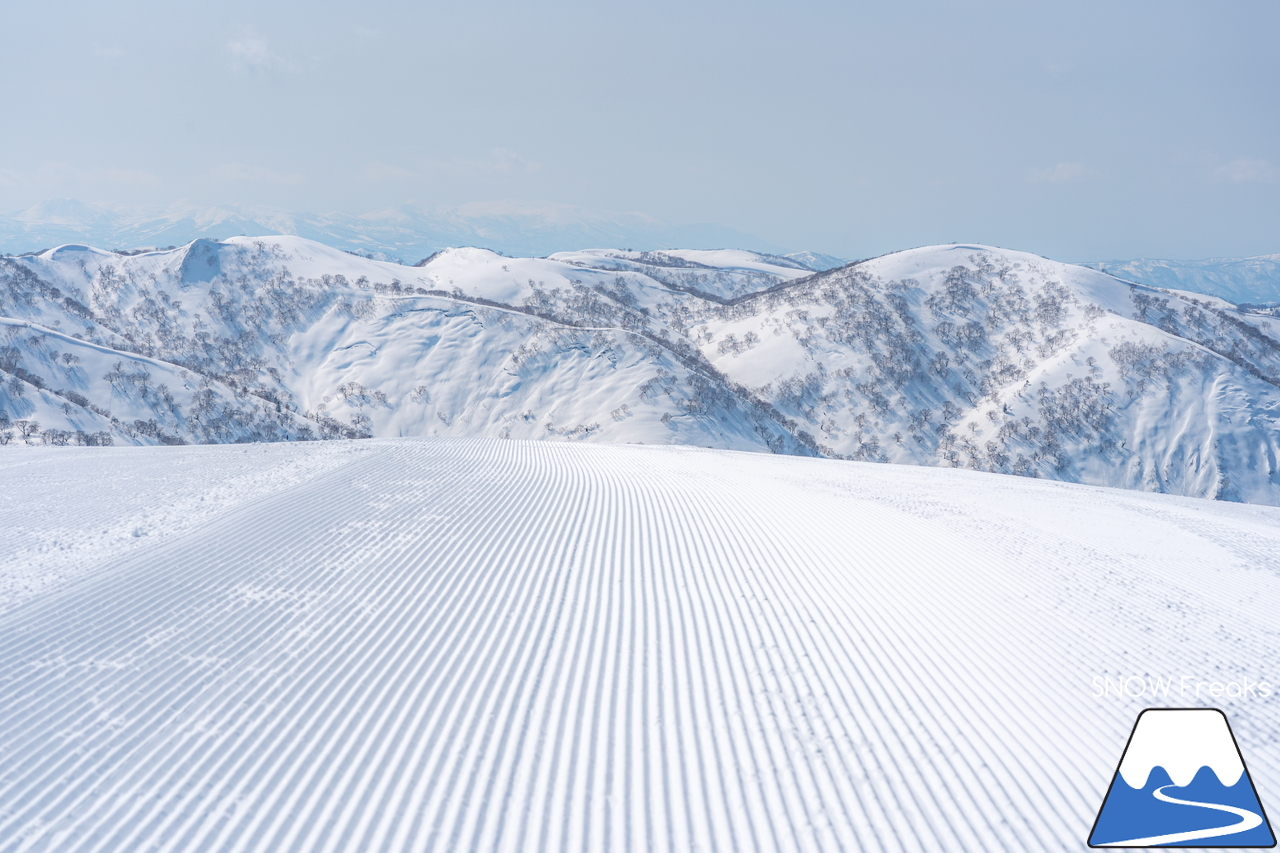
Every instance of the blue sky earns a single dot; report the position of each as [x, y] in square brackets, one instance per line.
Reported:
[1080, 131]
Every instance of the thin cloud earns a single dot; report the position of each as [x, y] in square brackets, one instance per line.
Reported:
[500, 160]
[55, 172]
[242, 173]
[1248, 170]
[1060, 174]
[251, 55]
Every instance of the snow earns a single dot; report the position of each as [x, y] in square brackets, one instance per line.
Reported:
[956, 356]
[1205, 431]
[67, 510]
[461, 644]
[405, 233]
[817, 261]
[738, 259]
[1255, 280]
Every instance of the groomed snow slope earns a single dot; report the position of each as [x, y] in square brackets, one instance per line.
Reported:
[464, 644]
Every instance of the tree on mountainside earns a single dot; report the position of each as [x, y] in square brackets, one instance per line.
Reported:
[59, 437]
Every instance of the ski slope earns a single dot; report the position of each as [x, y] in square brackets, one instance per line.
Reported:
[461, 644]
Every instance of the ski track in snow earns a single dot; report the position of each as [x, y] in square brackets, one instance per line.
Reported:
[488, 645]
[66, 512]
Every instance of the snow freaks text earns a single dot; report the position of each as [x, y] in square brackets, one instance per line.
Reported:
[1180, 687]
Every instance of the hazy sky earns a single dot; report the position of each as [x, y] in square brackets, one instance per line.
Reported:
[1078, 130]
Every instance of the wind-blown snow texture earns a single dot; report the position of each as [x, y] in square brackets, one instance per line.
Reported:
[959, 356]
[485, 645]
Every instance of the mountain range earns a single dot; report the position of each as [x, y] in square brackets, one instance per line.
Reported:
[1242, 280]
[955, 356]
[409, 232]
[406, 233]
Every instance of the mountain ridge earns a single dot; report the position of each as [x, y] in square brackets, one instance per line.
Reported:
[959, 356]
[1254, 280]
[404, 233]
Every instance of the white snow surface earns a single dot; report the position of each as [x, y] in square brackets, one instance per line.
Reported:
[67, 512]
[461, 644]
[817, 261]
[1181, 742]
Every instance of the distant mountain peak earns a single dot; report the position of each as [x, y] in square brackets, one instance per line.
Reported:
[67, 212]
[817, 261]
[1253, 280]
[407, 232]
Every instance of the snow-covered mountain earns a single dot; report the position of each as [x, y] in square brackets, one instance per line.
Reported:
[1241, 280]
[817, 261]
[959, 356]
[408, 645]
[406, 233]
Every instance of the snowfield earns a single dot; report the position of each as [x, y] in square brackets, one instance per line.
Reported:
[460, 644]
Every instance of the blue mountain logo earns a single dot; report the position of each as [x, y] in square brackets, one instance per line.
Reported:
[1182, 783]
